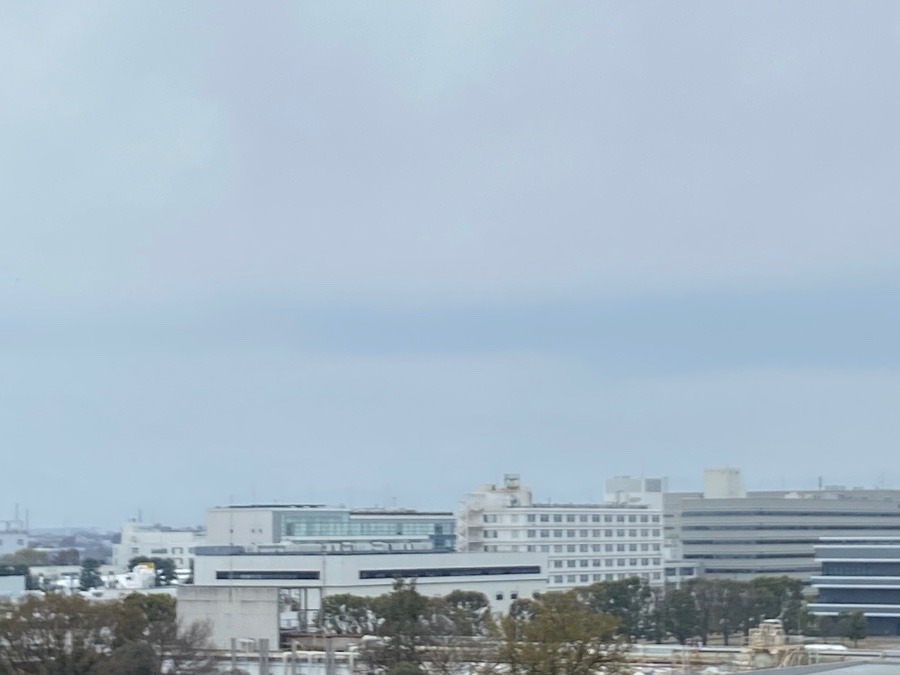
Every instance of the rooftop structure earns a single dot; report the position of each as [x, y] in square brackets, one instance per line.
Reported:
[317, 528]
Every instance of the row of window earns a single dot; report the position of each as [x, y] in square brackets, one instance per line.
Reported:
[578, 534]
[588, 578]
[571, 518]
[576, 548]
[606, 562]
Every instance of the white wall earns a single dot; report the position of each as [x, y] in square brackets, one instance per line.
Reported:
[232, 612]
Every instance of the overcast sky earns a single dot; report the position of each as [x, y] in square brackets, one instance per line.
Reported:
[378, 254]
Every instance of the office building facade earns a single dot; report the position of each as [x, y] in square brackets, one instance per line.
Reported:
[859, 574]
[584, 543]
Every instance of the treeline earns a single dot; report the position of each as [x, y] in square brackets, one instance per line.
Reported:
[699, 609]
[57, 634]
[553, 633]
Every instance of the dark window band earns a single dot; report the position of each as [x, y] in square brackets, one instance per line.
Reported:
[421, 573]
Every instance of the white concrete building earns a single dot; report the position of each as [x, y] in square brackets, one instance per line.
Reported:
[584, 543]
[13, 536]
[739, 534]
[156, 541]
[244, 595]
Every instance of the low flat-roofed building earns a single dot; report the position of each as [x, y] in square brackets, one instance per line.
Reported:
[225, 577]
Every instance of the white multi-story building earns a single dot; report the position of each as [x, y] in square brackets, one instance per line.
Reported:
[585, 543]
[157, 541]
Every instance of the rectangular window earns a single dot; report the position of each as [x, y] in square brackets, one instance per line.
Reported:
[583, 548]
[557, 548]
[570, 548]
[632, 533]
[545, 534]
[570, 578]
[570, 517]
[607, 519]
[595, 534]
[557, 563]
[582, 518]
[558, 534]
[570, 563]
[645, 533]
[607, 533]
[583, 534]
[570, 534]
[596, 548]
[645, 561]
[596, 562]
[532, 534]
[557, 578]
[595, 518]
[632, 519]
[608, 548]
[643, 519]
[620, 533]
[582, 563]
[557, 517]
[583, 578]
[545, 518]
[632, 547]
[531, 518]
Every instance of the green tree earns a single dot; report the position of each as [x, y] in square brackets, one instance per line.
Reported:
[26, 556]
[462, 613]
[626, 599]
[63, 634]
[559, 634]
[856, 627]
[346, 614]
[682, 618]
[90, 574]
[403, 625]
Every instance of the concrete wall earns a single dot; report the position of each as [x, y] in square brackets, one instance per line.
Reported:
[12, 586]
[232, 611]
[241, 526]
[12, 541]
